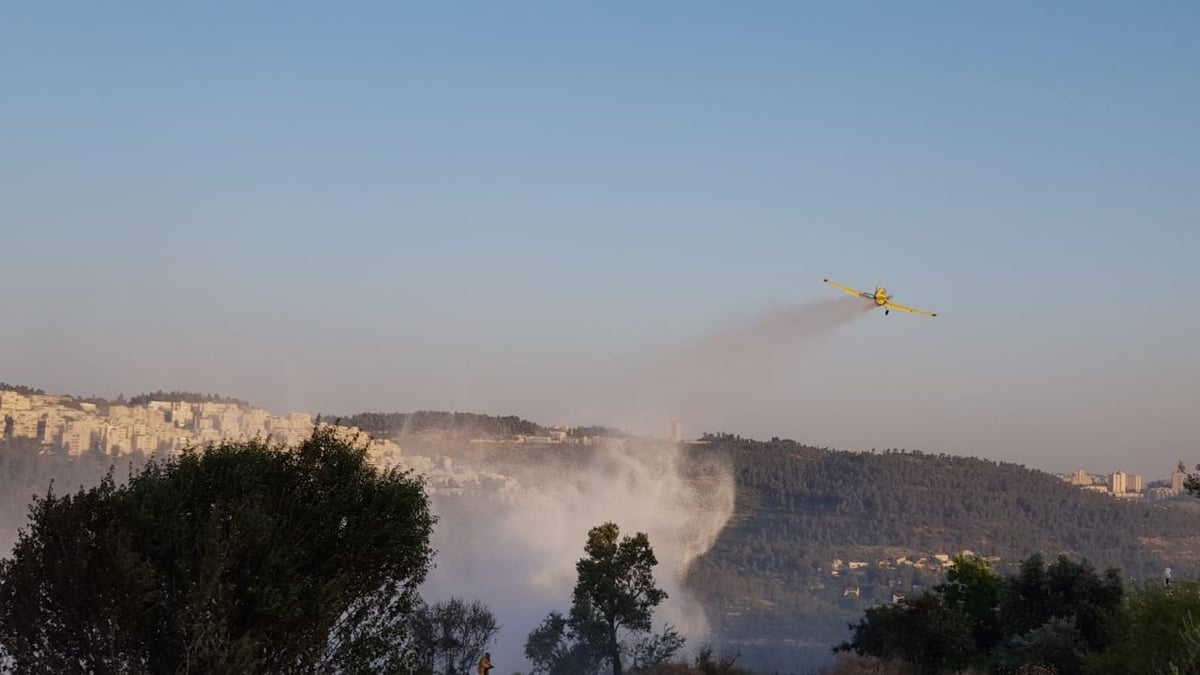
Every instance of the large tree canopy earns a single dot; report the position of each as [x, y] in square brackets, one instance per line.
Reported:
[233, 558]
[614, 597]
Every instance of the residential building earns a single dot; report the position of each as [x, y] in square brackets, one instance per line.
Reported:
[1117, 482]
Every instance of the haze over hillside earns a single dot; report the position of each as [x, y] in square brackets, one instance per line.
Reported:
[769, 546]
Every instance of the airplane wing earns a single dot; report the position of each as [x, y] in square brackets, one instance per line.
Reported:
[847, 289]
[911, 310]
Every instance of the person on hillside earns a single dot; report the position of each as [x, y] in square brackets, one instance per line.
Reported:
[485, 664]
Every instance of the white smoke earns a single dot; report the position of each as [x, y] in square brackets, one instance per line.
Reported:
[745, 364]
[519, 555]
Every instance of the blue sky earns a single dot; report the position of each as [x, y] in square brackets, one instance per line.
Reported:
[472, 206]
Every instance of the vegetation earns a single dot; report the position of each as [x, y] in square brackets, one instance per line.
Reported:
[1158, 631]
[391, 425]
[1056, 616]
[611, 608]
[242, 557]
[770, 573]
[706, 662]
[451, 636]
[1192, 482]
[769, 579]
[184, 397]
[1063, 618]
[799, 508]
[138, 400]
[21, 389]
[28, 468]
[599, 432]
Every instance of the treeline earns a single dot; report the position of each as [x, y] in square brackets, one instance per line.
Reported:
[395, 424]
[21, 389]
[182, 397]
[137, 400]
[598, 432]
[1064, 618]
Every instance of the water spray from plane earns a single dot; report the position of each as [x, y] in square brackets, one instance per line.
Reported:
[519, 555]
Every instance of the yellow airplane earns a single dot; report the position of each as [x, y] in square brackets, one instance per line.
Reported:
[880, 298]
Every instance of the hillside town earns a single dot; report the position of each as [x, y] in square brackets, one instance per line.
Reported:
[166, 427]
[156, 428]
[1121, 485]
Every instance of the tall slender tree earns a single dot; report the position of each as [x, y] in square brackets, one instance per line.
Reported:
[615, 590]
[611, 610]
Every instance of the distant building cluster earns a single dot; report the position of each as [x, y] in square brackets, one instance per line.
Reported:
[935, 561]
[556, 435]
[1123, 485]
[159, 427]
[167, 427]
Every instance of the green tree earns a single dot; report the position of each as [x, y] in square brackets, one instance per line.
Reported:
[974, 588]
[1057, 644]
[1159, 631]
[232, 558]
[611, 610]
[1064, 589]
[554, 648]
[615, 589]
[1054, 615]
[924, 632]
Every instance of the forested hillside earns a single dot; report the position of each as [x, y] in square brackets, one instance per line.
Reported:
[799, 508]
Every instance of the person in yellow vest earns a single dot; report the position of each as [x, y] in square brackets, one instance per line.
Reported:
[485, 664]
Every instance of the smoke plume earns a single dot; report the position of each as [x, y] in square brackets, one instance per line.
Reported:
[745, 363]
[519, 555]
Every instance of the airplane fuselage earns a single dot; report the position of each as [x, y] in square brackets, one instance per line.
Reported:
[881, 296]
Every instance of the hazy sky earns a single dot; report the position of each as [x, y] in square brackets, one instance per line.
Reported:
[479, 206]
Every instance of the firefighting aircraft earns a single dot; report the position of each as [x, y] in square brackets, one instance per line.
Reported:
[880, 298]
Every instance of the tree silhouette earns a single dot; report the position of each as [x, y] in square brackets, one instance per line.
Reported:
[453, 634]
